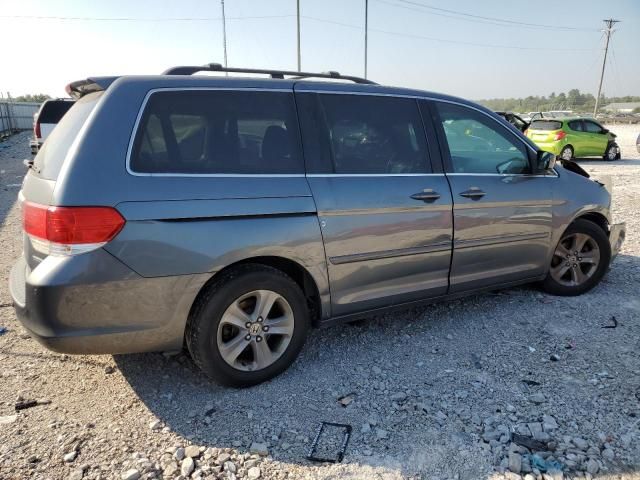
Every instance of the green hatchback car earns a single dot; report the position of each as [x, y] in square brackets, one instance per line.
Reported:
[574, 137]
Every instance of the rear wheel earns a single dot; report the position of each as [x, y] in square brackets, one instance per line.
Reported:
[579, 261]
[566, 153]
[249, 326]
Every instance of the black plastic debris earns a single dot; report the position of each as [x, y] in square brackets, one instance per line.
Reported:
[531, 383]
[324, 443]
[3, 330]
[613, 323]
[24, 404]
[528, 442]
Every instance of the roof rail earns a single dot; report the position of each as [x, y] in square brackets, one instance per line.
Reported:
[216, 67]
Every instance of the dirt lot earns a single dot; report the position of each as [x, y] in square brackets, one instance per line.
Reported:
[439, 392]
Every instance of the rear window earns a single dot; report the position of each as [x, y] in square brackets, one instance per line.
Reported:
[545, 125]
[218, 132]
[52, 111]
[51, 155]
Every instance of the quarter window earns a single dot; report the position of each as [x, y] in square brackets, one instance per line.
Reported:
[374, 134]
[208, 132]
[478, 144]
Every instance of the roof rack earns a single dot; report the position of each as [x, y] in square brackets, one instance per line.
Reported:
[216, 67]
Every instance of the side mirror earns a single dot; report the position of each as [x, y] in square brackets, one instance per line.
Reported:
[545, 161]
[604, 130]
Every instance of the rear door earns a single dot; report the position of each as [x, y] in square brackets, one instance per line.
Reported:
[502, 212]
[596, 139]
[385, 213]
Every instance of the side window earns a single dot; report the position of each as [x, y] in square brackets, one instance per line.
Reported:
[209, 132]
[592, 127]
[576, 125]
[478, 144]
[374, 134]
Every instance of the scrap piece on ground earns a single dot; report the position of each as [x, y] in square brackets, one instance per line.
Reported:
[322, 446]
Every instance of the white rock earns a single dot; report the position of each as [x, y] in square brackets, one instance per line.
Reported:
[187, 466]
[192, 451]
[381, 434]
[8, 419]
[155, 425]
[131, 474]
[254, 473]
[537, 398]
[70, 457]
[223, 457]
[229, 467]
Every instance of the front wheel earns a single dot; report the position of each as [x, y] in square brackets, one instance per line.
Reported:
[612, 152]
[248, 326]
[579, 261]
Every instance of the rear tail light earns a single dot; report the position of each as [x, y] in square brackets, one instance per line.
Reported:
[36, 130]
[70, 230]
[526, 132]
[560, 135]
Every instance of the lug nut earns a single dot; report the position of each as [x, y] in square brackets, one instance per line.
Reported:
[575, 265]
[247, 337]
[265, 328]
[248, 324]
[258, 338]
[568, 264]
[259, 319]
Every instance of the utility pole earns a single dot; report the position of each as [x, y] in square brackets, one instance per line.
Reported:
[224, 35]
[298, 33]
[366, 32]
[608, 32]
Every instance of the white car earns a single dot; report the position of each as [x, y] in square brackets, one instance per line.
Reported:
[45, 120]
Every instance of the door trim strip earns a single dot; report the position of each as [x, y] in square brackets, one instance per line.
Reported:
[400, 252]
[482, 242]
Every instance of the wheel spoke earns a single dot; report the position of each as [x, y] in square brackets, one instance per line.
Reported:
[233, 348]
[235, 316]
[591, 258]
[262, 355]
[577, 276]
[580, 241]
[559, 271]
[562, 251]
[264, 303]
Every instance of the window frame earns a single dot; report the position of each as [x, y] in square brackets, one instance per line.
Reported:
[444, 145]
[587, 121]
[140, 116]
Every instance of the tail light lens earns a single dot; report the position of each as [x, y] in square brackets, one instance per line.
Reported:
[526, 132]
[70, 230]
[560, 135]
[36, 130]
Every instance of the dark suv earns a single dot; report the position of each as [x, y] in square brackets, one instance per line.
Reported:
[233, 214]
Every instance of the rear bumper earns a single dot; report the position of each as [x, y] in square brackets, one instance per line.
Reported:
[617, 234]
[94, 304]
[553, 147]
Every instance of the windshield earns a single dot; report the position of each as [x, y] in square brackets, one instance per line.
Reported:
[51, 155]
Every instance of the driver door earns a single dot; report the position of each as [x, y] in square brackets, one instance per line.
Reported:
[502, 211]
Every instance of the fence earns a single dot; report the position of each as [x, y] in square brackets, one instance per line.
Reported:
[17, 115]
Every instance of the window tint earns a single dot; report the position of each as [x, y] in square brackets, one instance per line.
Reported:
[478, 144]
[576, 125]
[591, 127]
[52, 111]
[546, 125]
[204, 132]
[374, 134]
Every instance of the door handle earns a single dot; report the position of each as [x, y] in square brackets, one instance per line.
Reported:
[427, 195]
[473, 193]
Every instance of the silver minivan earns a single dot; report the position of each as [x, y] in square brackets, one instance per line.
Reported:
[234, 214]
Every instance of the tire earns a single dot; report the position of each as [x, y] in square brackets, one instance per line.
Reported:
[581, 273]
[237, 297]
[611, 152]
[566, 153]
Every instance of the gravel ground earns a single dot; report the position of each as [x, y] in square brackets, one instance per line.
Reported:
[453, 390]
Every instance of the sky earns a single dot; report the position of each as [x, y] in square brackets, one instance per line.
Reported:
[423, 44]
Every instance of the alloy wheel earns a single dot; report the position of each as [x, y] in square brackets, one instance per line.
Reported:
[575, 260]
[566, 154]
[255, 330]
[612, 152]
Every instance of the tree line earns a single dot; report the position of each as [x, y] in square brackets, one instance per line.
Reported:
[572, 100]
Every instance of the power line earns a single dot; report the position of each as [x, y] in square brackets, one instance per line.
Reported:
[142, 19]
[493, 19]
[444, 40]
